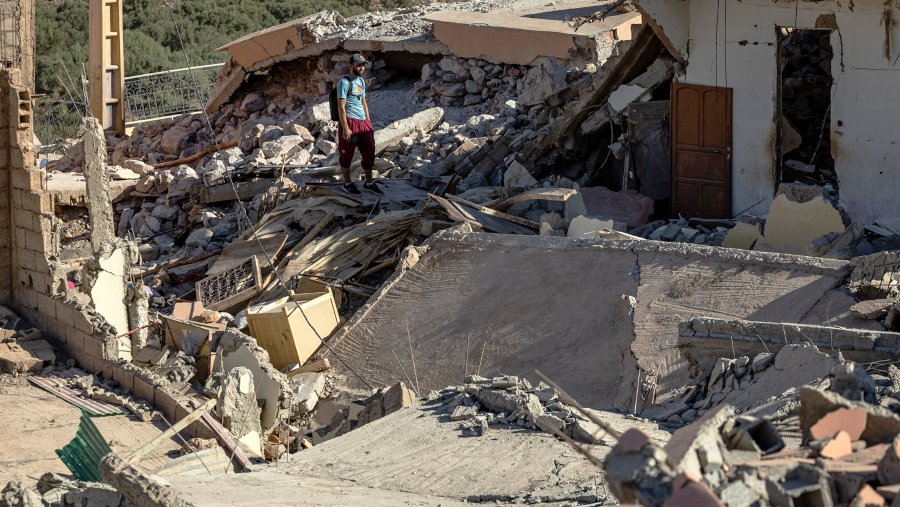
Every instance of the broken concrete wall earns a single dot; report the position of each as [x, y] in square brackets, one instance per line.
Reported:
[863, 130]
[681, 281]
[32, 282]
[703, 340]
[239, 350]
[588, 313]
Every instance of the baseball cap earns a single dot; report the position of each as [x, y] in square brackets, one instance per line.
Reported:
[358, 59]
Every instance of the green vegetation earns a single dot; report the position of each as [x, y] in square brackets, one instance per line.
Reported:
[62, 32]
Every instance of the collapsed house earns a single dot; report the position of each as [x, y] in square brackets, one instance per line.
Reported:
[560, 195]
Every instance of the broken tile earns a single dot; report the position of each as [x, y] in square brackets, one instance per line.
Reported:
[867, 496]
[837, 447]
[850, 420]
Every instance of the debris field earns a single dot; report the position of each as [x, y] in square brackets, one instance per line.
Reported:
[559, 295]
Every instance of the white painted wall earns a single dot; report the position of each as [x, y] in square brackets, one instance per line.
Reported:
[865, 94]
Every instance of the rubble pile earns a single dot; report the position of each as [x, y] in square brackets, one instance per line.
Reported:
[512, 401]
[766, 384]
[696, 231]
[849, 454]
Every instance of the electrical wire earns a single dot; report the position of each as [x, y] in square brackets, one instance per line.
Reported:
[244, 212]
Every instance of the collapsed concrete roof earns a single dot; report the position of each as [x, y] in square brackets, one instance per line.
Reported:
[500, 30]
[503, 303]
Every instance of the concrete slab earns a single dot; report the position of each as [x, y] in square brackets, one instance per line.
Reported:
[508, 306]
[421, 453]
[70, 189]
[500, 37]
[792, 225]
[741, 236]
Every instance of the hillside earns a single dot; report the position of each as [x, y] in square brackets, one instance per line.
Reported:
[62, 32]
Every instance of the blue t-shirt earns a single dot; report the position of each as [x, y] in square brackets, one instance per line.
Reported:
[354, 97]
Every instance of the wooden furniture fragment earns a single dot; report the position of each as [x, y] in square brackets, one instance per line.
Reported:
[283, 330]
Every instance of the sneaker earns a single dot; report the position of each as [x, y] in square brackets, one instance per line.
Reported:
[372, 187]
[351, 187]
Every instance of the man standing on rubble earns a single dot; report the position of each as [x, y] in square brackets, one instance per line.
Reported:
[355, 129]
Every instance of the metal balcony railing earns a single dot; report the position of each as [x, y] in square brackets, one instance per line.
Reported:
[163, 95]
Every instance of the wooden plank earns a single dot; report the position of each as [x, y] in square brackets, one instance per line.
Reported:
[396, 190]
[317, 366]
[484, 221]
[204, 152]
[246, 190]
[495, 213]
[644, 49]
[180, 425]
[238, 252]
[543, 194]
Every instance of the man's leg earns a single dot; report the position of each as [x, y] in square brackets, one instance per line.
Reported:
[345, 158]
[366, 146]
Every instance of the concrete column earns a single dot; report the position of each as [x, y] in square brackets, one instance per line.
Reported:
[99, 202]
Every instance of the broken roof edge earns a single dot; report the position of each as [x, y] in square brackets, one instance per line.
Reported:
[670, 46]
[353, 45]
[266, 31]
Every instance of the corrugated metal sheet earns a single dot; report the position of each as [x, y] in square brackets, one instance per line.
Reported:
[93, 407]
[82, 455]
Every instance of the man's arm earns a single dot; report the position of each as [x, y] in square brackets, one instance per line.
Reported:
[366, 107]
[342, 112]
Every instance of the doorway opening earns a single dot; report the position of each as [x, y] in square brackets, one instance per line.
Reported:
[803, 120]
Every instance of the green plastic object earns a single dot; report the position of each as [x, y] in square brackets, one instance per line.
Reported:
[82, 455]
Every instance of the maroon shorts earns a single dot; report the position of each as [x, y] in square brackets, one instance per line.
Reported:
[365, 141]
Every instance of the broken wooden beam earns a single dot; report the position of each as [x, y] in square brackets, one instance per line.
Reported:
[206, 151]
[169, 433]
[183, 262]
[225, 441]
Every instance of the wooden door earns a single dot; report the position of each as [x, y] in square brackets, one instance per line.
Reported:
[701, 151]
